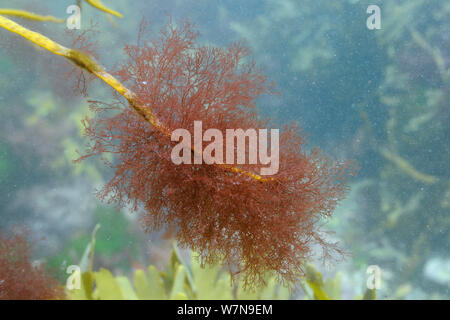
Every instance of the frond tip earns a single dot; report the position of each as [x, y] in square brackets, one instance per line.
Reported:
[100, 6]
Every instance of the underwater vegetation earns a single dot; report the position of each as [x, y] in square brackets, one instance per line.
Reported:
[254, 225]
[196, 282]
[181, 280]
[19, 278]
[178, 281]
[24, 14]
[377, 96]
[116, 244]
[29, 15]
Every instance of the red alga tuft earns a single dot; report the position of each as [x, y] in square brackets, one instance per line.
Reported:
[19, 279]
[254, 226]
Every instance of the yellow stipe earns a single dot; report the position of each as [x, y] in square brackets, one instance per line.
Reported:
[249, 174]
[406, 167]
[34, 37]
[87, 63]
[100, 6]
[29, 15]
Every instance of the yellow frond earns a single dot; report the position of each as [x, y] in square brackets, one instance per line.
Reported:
[29, 15]
[100, 6]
